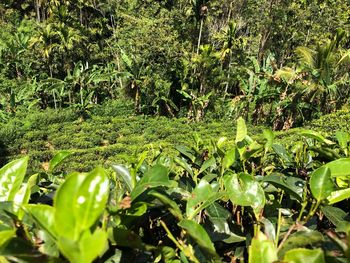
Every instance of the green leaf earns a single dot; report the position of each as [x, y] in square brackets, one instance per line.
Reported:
[301, 239]
[315, 135]
[229, 159]
[321, 184]
[79, 202]
[269, 136]
[339, 195]
[302, 255]
[125, 175]
[243, 190]
[187, 152]
[337, 216]
[156, 176]
[262, 250]
[11, 178]
[44, 216]
[241, 132]
[291, 185]
[172, 205]
[343, 140]
[184, 165]
[23, 195]
[5, 236]
[91, 198]
[340, 167]
[125, 238]
[202, 196]
[64, 203]
[221, 231]
[253, 148]
[58, 159]
[89, 246]
[208, 163]
[200, 236]
[282, 154]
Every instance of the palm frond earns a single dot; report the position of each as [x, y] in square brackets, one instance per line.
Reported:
[306, 56]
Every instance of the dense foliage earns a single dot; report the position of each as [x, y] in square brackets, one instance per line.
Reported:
[165, 98]
[275, 62]
[256, 201]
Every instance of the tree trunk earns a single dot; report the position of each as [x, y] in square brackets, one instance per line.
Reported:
[199, 36]
[37, 8]
[137, 100]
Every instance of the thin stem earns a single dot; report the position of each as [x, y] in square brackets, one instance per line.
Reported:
[183, 247]
[313, 210]
[278, 227]
[170, 235]
[286, 236]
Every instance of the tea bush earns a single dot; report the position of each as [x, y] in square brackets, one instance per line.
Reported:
[256, 201]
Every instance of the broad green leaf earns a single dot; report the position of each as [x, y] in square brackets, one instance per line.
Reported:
[340, 167]
[202, 196]
[337, 216]
[66, 223]
[282, 154]
[187, 152]
[79, 202]
[5, 236]
[316, 135]
[125, 238]
[242, 189]
[91, 198]
[230, 157]
[283, 182]
[23, 195]
[221, 231]
[262, 250]
[200, 236]
[221, 142]
[208, 163]
[343, 140]
[301, 239]
[184, 165]
[302, 255]
[269, 136]
[86, 249]
[125, 175]
[172, 205]
[321, 183]
[216, 212]
[11, 178]
[339, 195]
[58, 159]
[269, 229]
[241, 132]
[253, 148]
[44, 216]
[156, 176]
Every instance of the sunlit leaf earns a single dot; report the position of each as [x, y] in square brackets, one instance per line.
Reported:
[200, 236]
[11, 178]
[241, 132]
[302, 255]
[58, 159]
[321, 184]
[242, 189]
[156, 176]
[339, 195]
[262, 250]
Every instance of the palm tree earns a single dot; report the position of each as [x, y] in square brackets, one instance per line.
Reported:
[321, 66]
[44, 41]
